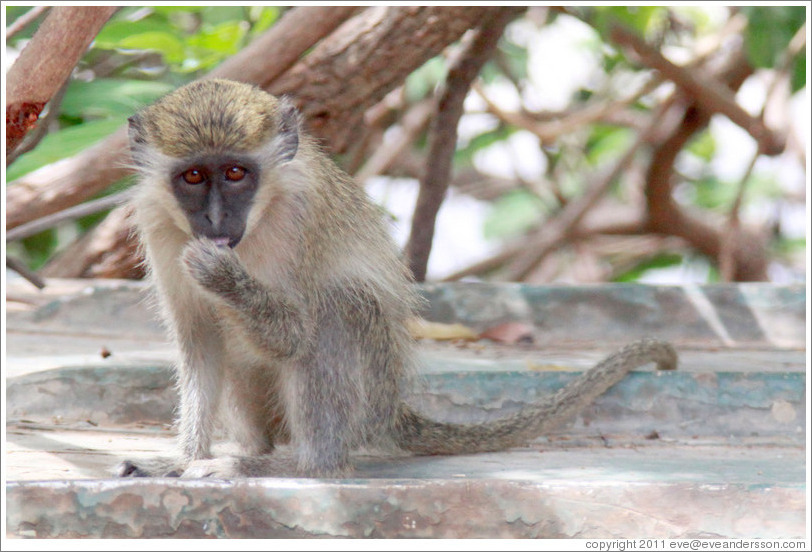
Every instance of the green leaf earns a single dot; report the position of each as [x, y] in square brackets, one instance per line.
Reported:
[215, 15]
[421, 82]
[516, 58]
[788, 246]
[114, 32]
[711, 193]
[264, 19]
[703, 146]
[512, 214]
[607, 143]
[103, 98]
[717, 195]
[223, 38]
[40, 247]
[798, 76]
[769, 31]
[664, 260]
[62, 144]
[697, 15]
[466, 153]
[643, 19]
[168, 44]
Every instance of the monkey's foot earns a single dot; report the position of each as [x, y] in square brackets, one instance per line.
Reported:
[278, 464]
[229, 467]
[157, 467]
[216, 468]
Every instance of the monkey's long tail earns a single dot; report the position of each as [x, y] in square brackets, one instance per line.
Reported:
[421, 435]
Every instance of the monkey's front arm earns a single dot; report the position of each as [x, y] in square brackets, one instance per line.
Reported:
[275, 319]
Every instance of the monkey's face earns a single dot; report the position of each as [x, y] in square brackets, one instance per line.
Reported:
[215, 193]
[213, 144]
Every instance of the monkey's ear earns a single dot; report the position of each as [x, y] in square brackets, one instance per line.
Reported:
[288, 131]
[135, 133]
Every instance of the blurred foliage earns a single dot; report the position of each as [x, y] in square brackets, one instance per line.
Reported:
[144, 52]
[513, 214]
[648, 21]
[769, 30]
[606, 143]
[657, 262]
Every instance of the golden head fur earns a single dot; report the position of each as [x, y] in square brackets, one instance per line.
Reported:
[202, 117]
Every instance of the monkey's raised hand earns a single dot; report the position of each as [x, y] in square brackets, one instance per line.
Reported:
[215, 267]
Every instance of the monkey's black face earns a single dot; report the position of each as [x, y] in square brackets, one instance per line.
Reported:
[216, 193]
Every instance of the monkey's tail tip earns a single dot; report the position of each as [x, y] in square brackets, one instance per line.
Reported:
[654, 350]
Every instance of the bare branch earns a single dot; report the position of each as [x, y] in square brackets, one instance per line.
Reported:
[412, 124]
[88, 208]
[727, 259]
[666, 217]
[550, 234]
[557, 125]
[67, 182]
[41, 130]
[46, 63]
[708, 92]
[443, 138]
[297, 31]
[732, 233]
[110, 251]
[24, 21]
[365, 59]
[20, 268]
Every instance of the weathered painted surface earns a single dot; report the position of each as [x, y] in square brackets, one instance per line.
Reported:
[675, 404]
[727, 315]
[714, 449]
[582, 493]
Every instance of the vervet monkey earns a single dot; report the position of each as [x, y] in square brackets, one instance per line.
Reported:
[288, 300]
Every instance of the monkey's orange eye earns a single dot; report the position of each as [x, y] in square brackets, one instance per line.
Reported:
[235, 173]
[193, 176]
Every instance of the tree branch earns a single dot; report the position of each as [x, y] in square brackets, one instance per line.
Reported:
[411, 125]
[366, 58]
[705, 89]
[41, 129]
[88, 208]
[558, 124]
[731, 234]
[550, 234]
[24, 21]
[666, 217]
[20, 268]
[297, 31]
[46, 63]
[110, 251]
[443, 138]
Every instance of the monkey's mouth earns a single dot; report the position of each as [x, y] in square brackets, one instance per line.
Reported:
[225, 241]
